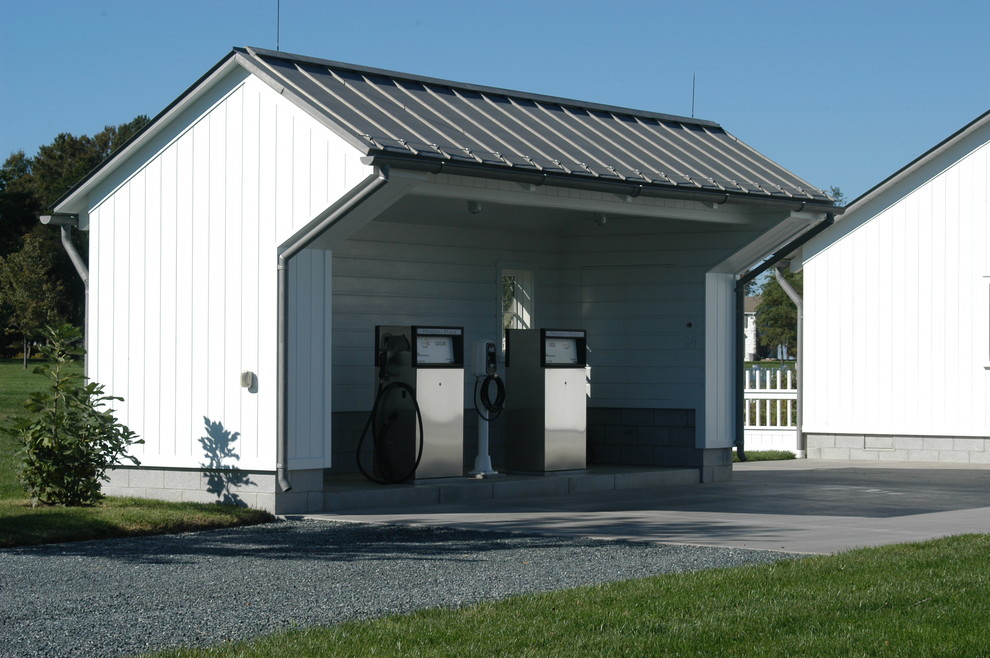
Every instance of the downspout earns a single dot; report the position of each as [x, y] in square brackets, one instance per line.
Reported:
[778, 273]
[352, 200]
[65, 223]
[776, 257]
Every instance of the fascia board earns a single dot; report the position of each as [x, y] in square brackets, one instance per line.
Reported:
[766, 244]
[902, 183]
[76, 199]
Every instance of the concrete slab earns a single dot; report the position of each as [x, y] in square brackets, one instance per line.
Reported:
[804, 506]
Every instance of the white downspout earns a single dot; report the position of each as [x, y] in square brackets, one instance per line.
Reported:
[65, 223]
[356, 197]
[778, 273]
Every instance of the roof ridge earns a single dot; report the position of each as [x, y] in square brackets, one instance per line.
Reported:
[511, 93]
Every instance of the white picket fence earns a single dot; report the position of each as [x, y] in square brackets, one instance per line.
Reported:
[770, 411]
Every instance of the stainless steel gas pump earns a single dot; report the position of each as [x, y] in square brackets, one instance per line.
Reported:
[416, 422]
[546, 424]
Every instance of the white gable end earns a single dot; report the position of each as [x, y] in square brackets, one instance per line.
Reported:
[896, 309]
[183, 255]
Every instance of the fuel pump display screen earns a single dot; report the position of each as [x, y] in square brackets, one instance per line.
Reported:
[431, 350]
[438, 347]
[561, 351]
[563, 348]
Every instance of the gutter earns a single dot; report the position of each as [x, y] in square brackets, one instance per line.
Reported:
[596, 184]
[343, 207]
[776, 257]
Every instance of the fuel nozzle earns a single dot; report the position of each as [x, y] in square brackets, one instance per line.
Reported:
[390, 344]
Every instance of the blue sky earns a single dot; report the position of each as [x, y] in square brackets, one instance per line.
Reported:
[841, 93]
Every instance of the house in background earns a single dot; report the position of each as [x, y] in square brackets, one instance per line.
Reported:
[245, 245]
[750, 304]
[897, 314]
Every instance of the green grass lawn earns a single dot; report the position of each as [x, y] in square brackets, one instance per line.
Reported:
[21, 524]
[16, 384]
[765, 455]
[926, 599]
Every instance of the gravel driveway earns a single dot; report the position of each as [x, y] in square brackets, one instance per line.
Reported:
[127, 596]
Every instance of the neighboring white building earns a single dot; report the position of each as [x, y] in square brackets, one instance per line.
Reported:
[245, 244]
[897, 314]
[750, 304]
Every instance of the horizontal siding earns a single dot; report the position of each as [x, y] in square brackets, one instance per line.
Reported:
[183, 288]
[640, 296]
[896, 321]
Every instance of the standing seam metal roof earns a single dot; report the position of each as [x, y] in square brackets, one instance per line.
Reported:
[423, 119]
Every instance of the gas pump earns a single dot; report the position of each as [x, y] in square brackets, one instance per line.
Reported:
[416, 422]
[546, 425]
[485, 366]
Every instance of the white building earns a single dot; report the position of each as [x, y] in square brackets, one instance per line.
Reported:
[897, 314]
[265, 222]
[752, 350]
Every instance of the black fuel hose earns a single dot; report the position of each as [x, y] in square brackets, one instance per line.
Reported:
[380, 438]
[493, 408]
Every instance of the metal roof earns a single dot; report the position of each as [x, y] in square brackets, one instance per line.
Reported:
[415, 121]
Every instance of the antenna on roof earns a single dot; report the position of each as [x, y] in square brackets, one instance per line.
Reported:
[693, 75]
[278, 22]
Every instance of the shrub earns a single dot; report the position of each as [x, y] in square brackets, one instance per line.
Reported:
[71, 437]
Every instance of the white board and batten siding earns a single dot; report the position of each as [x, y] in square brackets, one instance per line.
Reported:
[897, 309]
[183, 254]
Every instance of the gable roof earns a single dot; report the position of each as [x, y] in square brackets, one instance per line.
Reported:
[409, 121]
[400, 119]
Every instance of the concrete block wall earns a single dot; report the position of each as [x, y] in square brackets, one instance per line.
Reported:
[232, 487]
[653, 438]
[872, 447]
[246, 488]
[642, 437]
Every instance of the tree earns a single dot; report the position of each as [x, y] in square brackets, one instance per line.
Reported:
[32, 298]
[46, 291]
[72, 436]
[19, 204]
[776, 316]
[63, 163]
[838, 195]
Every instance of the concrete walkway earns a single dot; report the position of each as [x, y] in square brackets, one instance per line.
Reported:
[804, 506]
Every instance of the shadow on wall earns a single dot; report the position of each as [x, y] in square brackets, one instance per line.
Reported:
[222, 479]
